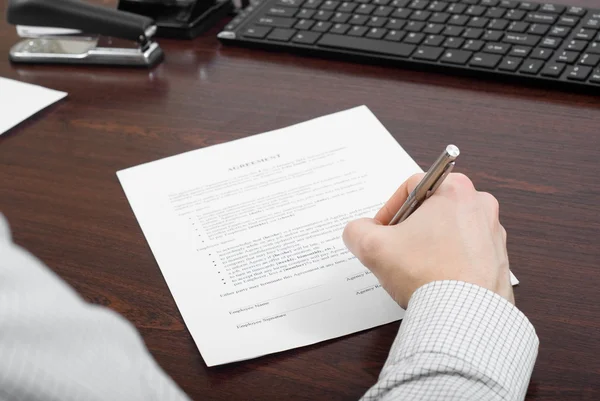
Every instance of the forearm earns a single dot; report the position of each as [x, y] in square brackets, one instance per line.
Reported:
[55, 346]
[458, 341]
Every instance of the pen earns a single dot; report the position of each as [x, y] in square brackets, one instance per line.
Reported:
[428, 185]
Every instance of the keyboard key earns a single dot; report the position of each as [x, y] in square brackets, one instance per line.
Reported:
[538, 29]
[484, 60]
[383, 2]
[322, 26]
[367, 45]
[395, 24]
[595, 78]
[433, 28]
[492, 36]
[341, 18]
[358, 30]
[474, 45]
[593, 23]
[514, 15]
[276, 22]
[459, 20]
[453, 31]
[402, 13]
[585, 34]
[428, 53]
[414, 26]
[281, 11]
[589, 59]
[489, 3]
[518, 27]
[459, 57]
[358, 19]
[495, 12]
[475, 11]
[567, 57]
[323, 15]
[304, 24]
[578, 73]
[499, 24]
[398, 3]
[478, 22]
[553, 70]
[528, 6]
[365, 9]
[472, 33]
[418, 4]
[531, 66]
[289, 3]
[509, 4]
[551, 43]
[456, 8]
[347, 7]
[305, 13]
[330, 5]
[306, 38]
[434, 40]
[520, 51]
[541, 18]
[437, 6]
[395, 36]
[510, 64]
[541, 54]
[439, 18]
[376, 22]
[576, 45]
[382, 11]
[312, 4]
[568, 21]
[281, 35]
[376, 33]
[340, 28]
[256, 32]
[559, 31]
[420, 15]
[521, 39]
[552, 9]
[593, 48]
[577, 11]
[414, 38]
[453, 43]
[496, 48]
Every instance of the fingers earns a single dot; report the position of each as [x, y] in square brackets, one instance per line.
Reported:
[365, 239]
[391, 207]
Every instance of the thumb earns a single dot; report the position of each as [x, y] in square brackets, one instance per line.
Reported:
[364, 238]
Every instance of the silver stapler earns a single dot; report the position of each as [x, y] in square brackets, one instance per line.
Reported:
[75, 32]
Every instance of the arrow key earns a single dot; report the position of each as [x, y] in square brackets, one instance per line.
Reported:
[531, 66]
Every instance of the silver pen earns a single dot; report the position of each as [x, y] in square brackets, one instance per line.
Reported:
[428, 185]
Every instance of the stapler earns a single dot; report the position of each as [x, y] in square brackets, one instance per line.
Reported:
[87, 34]
[181, 19]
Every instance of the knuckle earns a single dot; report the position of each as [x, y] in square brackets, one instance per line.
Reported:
[461, 181]
[491, 203]
[369, 246]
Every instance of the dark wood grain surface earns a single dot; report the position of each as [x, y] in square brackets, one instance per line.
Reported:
[536, 150]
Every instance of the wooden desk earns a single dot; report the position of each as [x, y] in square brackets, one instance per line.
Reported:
[536, 150]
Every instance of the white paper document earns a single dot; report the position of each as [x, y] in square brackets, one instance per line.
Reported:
[19, 101]
[248, 233]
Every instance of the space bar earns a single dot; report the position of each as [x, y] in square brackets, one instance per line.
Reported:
[366, 45]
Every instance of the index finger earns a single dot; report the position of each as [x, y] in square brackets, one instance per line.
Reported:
[391, 207]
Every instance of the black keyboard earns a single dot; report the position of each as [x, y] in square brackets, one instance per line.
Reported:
[545, 43]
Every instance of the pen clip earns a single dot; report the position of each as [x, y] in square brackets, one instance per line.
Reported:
[442, 177]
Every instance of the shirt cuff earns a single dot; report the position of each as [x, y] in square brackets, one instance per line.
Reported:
[488, 334]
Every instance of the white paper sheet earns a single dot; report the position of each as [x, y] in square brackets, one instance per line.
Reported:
[248, 233]
[19, 101]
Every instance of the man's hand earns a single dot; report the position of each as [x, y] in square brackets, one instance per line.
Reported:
[453, 235]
